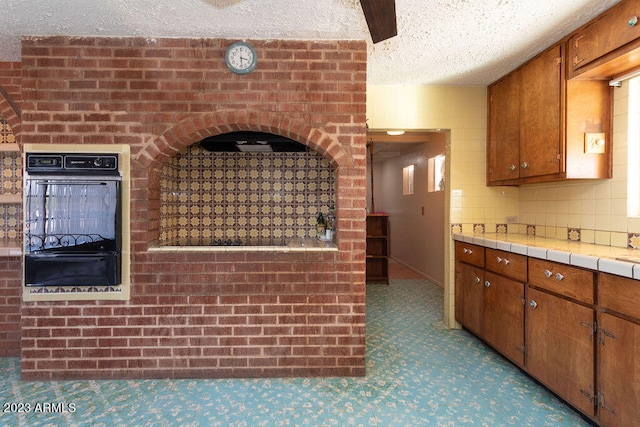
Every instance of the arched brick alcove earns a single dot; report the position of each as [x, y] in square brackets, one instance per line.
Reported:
[157, 151]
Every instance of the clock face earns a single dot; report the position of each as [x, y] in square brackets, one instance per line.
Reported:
[241, 58]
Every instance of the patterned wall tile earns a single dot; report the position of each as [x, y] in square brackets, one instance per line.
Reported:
[253, 198]
[10, 185]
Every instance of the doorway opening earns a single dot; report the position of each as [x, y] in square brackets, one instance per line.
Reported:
[416, 217]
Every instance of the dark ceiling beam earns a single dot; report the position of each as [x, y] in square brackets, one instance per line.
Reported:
[381, 18]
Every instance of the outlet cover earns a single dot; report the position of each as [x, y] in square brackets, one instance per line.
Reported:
[511, 220]
[594, 143]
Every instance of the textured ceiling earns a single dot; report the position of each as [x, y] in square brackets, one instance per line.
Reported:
[458, 42]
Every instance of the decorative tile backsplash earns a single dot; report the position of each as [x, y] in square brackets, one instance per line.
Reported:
[11, 176]
[10, 185]
[6, 133]
[254, 198]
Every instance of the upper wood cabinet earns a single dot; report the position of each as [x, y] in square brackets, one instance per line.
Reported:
[605, 47]
[540, 113]
[503, 143]
[540, 125]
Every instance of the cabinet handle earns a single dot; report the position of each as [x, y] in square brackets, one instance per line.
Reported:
[512, 168]
[559, 277]
[548, 273]
[533, 304]
[499, 260]
[467, 251]
[506, 261]
[487, 284]
[633, 21]
[524, 165]
[477, 279]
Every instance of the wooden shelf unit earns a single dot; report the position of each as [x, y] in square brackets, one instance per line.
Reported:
[378, 248]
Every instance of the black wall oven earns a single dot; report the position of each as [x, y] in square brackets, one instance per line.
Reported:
[72, 220]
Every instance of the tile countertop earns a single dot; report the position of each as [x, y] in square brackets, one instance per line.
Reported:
[607, 259]
[10, 248]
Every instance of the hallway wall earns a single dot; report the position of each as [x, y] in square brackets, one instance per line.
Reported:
[417, 240]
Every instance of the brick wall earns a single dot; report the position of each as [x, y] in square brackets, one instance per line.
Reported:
[10, 267]
[204, 314]
[10, 287]
[10, 93]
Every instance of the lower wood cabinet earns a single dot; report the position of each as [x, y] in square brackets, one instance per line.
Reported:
[581, 344]
[618, 371]
[559, 336]
[469, 296]
[618, 351]
[503, 316]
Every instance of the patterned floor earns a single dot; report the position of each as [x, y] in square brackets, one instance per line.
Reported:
[419, 374]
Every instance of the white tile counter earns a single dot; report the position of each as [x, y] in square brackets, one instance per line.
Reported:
[608, 259]
[10, 248]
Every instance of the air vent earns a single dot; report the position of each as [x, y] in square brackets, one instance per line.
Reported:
[246, 141]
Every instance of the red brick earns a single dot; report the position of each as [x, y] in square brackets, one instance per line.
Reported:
[158, 99]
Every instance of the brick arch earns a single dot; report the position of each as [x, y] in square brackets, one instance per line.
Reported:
[197, 127]
[11, 114]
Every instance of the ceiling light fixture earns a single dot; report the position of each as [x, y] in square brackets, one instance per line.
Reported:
[395, 132]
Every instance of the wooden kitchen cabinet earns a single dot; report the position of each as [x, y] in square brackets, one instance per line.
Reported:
[556, 122]
[612, 36]
[540, 110]
[469, 296]
[618, 351]
[575, 330]
[560, 352]
[488, 303]
[503, 303]
[503, 147]
[619, 371]
[560, 329]
[503, 316]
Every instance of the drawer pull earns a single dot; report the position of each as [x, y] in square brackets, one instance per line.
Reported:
[559, 277]
[477, 279]
[467, 251]
[499, 260]
[633, 21]
[487, 284]
[533, 304]
[506, 261]
[512, 168]
[548, 273]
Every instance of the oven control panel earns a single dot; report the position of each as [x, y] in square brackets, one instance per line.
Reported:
[72, 163]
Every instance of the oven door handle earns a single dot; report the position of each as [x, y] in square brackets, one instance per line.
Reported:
[66, 257]
[60, 182]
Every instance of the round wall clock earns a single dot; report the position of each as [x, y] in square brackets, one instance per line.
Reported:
[241, 58]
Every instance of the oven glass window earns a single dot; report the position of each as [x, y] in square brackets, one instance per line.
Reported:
[73, 215]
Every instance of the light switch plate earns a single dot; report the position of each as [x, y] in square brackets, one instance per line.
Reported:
[594, 143]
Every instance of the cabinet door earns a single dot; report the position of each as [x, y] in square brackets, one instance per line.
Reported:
[503, 142]
[611, 30]
[540, 115]
[559, 336]
[619, 372]
[469, 288]
[503, 316]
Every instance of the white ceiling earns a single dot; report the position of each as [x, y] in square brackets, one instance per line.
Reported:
[458, 42]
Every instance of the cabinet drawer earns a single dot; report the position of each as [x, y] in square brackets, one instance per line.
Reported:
[619, 294]
[471, 254]
[562, 279]
[507, 263]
